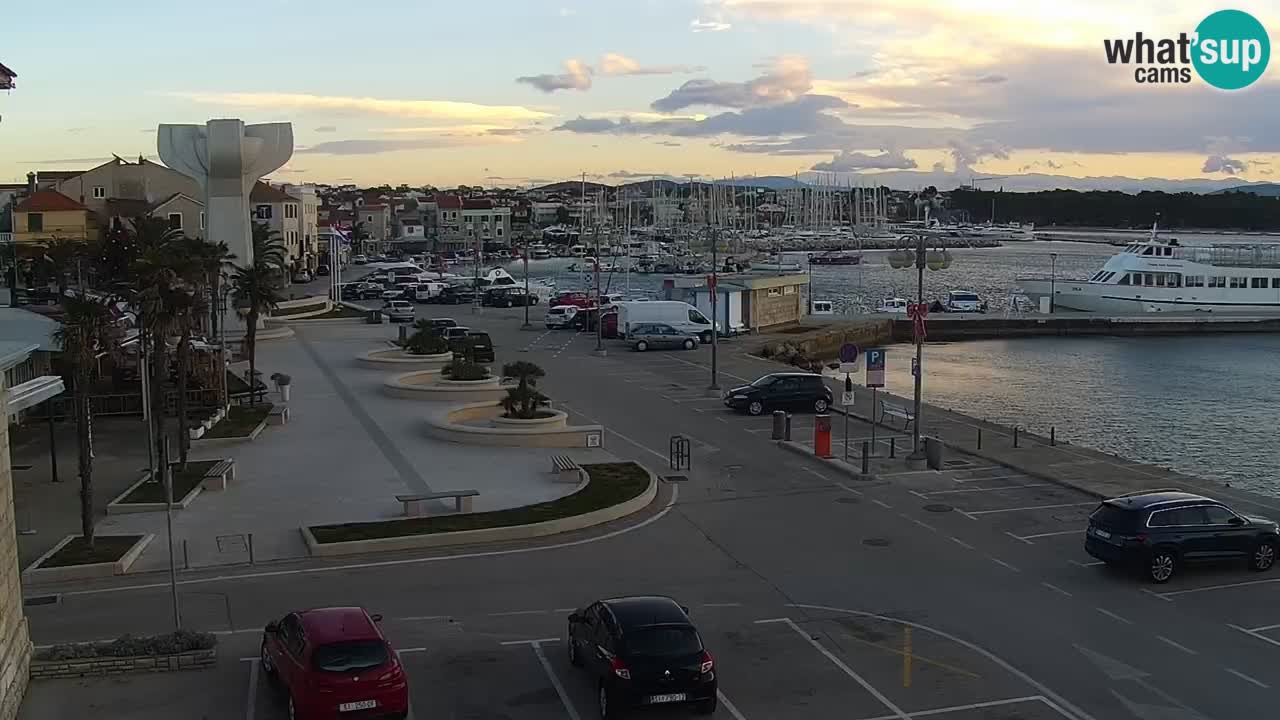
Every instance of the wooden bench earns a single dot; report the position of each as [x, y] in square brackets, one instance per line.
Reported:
[565, 469]
[217, 477]
[278, 415]
[416, 505]
[898, 411]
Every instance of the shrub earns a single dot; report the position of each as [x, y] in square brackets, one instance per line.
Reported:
[425, 343]
[523, 400]
[463, 370]
[131, 645]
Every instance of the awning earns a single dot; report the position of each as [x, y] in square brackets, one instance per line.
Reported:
[33, 392]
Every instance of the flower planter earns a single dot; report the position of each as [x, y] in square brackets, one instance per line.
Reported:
[110, 665]
[556, 419]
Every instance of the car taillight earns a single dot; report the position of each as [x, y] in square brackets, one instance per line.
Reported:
[707, 663]
[619, 668]
[1140, 538]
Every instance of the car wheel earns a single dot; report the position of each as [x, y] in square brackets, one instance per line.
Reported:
[705, 707]
[1161, 566]
[705, 338]
[755, 407]
[1264, 556]
[689, 344]
[607, 710]
[268, 667]
[574, 659]
[820, 405]
[642, 346]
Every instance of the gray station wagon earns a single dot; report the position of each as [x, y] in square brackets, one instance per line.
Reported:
[659, 336]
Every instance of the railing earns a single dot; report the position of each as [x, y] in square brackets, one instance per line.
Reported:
[1260, 256]
[6, 238]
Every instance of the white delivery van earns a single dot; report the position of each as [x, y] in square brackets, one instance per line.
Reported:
[428, 291]
[682, 316]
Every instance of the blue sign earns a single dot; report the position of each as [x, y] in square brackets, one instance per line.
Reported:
[875, 368]
[848, 353]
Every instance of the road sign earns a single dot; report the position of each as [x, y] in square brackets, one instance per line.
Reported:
[875, 367]
[848, 358]
[846, 398]
[915, 367]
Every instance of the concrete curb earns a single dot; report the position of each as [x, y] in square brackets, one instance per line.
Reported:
[214, 442]
[108, 665]
[324, 307]
[486, 535]
[36, 574]
[445, 428]
[488, 390]
[118, 507]
[397, 358]
[832, 463]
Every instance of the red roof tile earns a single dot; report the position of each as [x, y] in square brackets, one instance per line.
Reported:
[48, 201]
[448, 202]
[264, 193]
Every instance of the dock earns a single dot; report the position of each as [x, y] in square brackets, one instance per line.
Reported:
[972, 326]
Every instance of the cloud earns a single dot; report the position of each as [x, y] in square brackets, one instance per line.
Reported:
[377, 147]
[965, 154]
[629, 175]
[853, 161]
[615, 64]
[1224, 164]
[700, 25]
[786, 79]
[76, 130]
[577, 76]
[433, 109]
[805, 115]
[326, 129]
[668, 143]
[991, 79]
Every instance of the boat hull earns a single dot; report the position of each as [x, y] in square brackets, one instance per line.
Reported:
[1084, 296]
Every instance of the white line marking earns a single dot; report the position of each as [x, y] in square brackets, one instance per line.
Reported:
[1052, 698]
[962, 512]
[722, 605]
[1261, 637]
[923, 524]
[882, 504]
[1155, 594]
[961, 708]
[236, 632]
[1179, 646]
[555, 682]
[849, 490]
[1171, 593]
[909, 472]
[411, 650]
[518, 612]
[564, 610]
[1002, 563]
[991, 477]
[990, 489]
[1095, 563]
[675, 494]
[424, 618]
[539, 641]
[1048, 534]
[961, 543]
[251, 704]
[919, 494]
[704, 367]
[811, 471]
[1056, 589]
[1015, 537]
[1265, 628]
[770, 621]
[1114, 616]
[1246, 678]
[733, 710]
[897, 711]
[1032, 507]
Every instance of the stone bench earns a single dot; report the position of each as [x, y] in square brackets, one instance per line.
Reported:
[416, 505]
[898, 411]
[217, 477]
[565, 469]
[279, 415]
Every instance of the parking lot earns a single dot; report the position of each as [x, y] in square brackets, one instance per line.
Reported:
[785, 662]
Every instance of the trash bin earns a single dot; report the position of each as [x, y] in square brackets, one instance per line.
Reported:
[375, 317]
[780, 425]
[404, 334]
[933, 453]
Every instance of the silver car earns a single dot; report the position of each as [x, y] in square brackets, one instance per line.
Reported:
[659, 336]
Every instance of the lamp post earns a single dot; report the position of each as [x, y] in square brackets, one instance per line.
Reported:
[1053, 279]
[600, 351]
[919, 258]
[714, 387]
[526, 324]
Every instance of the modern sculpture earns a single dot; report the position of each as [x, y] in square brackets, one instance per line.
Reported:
[227, 157]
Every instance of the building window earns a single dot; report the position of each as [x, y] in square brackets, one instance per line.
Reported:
[201, 221]
[99, 192]
[35, 222]
[290, 211]
[1258, 282]
[775, 292]
[262, 212]
[789, 290]
[369, 219]
[175, 221]
[499, 230]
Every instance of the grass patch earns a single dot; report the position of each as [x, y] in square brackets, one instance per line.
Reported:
[131, 646]
[340, 311]
[239, 421]
[298, 309]
[611, 484]
[105, 549]
[183, 482]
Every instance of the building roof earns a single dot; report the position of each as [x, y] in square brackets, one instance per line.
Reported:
[173, 197]
[448, 202]
[48, 201]
[23, 326]
[6, 77]
[477, 204]
[264, 193]
[58, 175]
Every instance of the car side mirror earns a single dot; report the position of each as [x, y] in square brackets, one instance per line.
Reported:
[685, 609]
[1237, 520]
[575, 617]
[272, 627]
[376, 617]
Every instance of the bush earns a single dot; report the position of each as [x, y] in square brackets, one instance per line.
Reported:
[523, 400]
[425, 343]
[131, 645]
[462, 370]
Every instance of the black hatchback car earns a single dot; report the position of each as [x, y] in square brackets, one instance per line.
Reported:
[1158, 531]
[781, 391]
[642, 652]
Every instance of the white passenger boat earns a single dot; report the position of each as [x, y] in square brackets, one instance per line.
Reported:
[894, 306]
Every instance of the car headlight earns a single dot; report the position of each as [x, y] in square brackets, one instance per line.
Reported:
[739, 397]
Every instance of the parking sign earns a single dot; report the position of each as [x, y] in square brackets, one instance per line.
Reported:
[875, 367]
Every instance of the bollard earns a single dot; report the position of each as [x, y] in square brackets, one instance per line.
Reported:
[979, 438]
[1053, 439]
[779, 424]
[186, 559]
[1015, 436]
[893, 447]
[866, 452]
[788, 428]
[250, 548]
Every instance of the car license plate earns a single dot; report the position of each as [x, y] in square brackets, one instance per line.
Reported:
[669, 698]
[361, 705]
[1102, 533]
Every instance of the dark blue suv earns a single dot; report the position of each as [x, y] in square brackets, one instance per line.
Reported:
[1158, 531]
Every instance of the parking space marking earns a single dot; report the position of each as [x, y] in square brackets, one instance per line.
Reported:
[538, 641]
[251, 704]
[1016, 476]
[882, 504]
[898, 714]
[1032, 507]
[1265, 628]
[973, 706]
[1095, 563]
[961, 543]
[985, 489]
[1227, 586]
[555, 681]
[1177, 645]
[1256, 634]
[921, 523]
[1155, 594]
[1056, 589]
[1114, 616]
[1002, 563]
[512, 613]
[722, 605]
[1015, 537]
[733, 710]
[1028, 538]
[1246, 678]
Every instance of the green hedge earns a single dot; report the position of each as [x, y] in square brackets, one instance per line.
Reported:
[131, 646]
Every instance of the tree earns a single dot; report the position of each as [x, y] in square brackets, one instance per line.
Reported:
[424, 341]
[523, 400]
[255, 290]
[61, 256]
[87, 330]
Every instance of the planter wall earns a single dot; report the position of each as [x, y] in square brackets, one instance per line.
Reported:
[431, 385]
[85, 667]
[214, 442]
[36, 574]
[558, 419]
[451, 428]
[119, 507]
[393, 358]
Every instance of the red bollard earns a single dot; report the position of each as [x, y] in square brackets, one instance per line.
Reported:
[822, 436]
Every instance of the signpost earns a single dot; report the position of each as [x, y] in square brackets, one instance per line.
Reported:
[875, 380]
[848, 358]
[915, 367]
[846, 399]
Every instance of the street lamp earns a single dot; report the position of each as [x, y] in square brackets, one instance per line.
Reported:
[714, 387]
[600, 351]
[527, 298]
[920, 258]
[1053, 278]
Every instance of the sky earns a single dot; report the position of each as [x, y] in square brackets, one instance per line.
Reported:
[521, 93]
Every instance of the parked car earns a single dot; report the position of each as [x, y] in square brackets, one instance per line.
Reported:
[302, 276]
[657, 336]
[1159, 531]
[428, 292]
[334, 663]
[455, 332]
[560, 316]
[322, 270]
[440, 325]
[680, 315]
[479, 342]
[359, 260]
[508, 296]
[781, 391]
[398, 310]
[575, 298]
[458, 295]
[963, 301]
[640, 652]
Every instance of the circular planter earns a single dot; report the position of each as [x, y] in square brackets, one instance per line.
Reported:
[557, 419]
[476, 424]
[431, 385]
[395, 357]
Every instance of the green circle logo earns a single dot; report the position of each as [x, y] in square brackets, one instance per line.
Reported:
[1232, 49]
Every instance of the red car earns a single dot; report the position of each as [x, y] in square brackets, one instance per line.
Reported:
[577, 299]
[334, 663]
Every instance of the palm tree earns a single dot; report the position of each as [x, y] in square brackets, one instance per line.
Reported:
[425, 341]
[523, 400]
[61, 256]
[257, 292]
[87, 330]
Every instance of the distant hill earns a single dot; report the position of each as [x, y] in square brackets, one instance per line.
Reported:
[1262, 189]
[572, 186]
[769, 182]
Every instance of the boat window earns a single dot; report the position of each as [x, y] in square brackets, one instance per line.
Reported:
[1124, 279]
[1159, 279]
[1149, 280]
[1147, 251]
[1193, 281]
[1275, 282]
[1168, 250]
[1239, 282]
[1258, 282]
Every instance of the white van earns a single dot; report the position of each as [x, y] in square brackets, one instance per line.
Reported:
[428, 291]
[560, 316]
[680, 315]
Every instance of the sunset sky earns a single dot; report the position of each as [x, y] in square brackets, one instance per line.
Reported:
[514, 93]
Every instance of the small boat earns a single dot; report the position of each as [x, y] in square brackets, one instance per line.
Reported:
[894, 306]
[836, 257]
